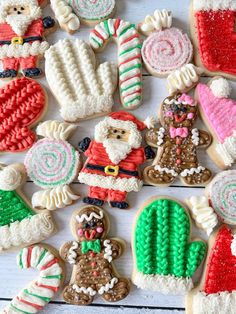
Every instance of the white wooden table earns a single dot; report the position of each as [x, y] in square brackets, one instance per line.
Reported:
[13, 279]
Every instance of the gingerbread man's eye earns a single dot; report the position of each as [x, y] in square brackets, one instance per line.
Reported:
[123, 132]
[15, 9]
[86, 225]
[22, 8]
[114, 131]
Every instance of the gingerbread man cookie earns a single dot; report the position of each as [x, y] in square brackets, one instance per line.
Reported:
[92, 254]
[177, 142]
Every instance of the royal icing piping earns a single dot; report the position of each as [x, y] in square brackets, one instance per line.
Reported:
[163, 169]
[191, 171]
[10, 178]
[160, 136]
[37, 294]
[227, 150]
[129, 57]
[207, 5]
[195, 137]
[108, 250]
[85, 217]
[55, 130]
[72, 254]
[81, 90]
[160, 19]
[108, 286]
[85, 290]
[233, 245]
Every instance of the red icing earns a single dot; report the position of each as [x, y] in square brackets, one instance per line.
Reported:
[38, 307]
[55, 289]
[29, 256]
[22, 102]
[49, 264]
[221, 272]
[217, 40]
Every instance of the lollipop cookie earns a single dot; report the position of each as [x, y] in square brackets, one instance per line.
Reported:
[52, 163]
[166, 48]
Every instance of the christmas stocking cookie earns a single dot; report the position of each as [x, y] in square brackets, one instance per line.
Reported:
[218, 111]
[216, 292]
[164, 258]
[19, 224]
[91, 255]
[177, 141]
[52, 164]
[22, 43]
[82, 91]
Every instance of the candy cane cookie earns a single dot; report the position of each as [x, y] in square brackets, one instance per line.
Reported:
[129, 57]
[36, 295]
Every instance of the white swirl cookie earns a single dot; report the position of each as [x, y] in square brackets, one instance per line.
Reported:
[82, 91]
[52, 163]
[20, 225]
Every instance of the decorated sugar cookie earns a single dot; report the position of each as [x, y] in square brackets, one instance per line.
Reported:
[164, 258]
[216, 292]
[114, 156]
[37, 294]
[91, 254]
[218, 111]
[177, 141]
[166, 48]
[213, 33]
[20, 225]
[82, 91]
[129, 57]
[52, 164]
[69, 13]
[23, 102]
[22, 42]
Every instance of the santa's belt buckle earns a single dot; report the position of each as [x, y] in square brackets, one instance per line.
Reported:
[17, 40]
[112, 170]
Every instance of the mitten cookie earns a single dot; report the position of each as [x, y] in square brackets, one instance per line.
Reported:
[82, 91]
[19, 224]
[70, 13]
[91, 255]
[114, 156]
[213, 33]
[216, 292]
[36, 295]
[129, 57]
[219, 114]
[166, 48]
[164, 259]
[23, 102]
[177, 142]
[22, 42]
[52, 164]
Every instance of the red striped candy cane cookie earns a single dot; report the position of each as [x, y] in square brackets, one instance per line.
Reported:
[39, 292]
[129, 57]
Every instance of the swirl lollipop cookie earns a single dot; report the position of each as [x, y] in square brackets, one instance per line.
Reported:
[52, 163]
[166, 48]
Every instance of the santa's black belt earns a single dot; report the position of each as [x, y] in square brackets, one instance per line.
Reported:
[20, 41]
[112, 170]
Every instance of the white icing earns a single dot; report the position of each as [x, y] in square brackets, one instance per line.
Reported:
[108, 286]
[202, 213]
[166, 170]
[227, 151]
[85, 217]
[150, 122]
[55, 129]
[88, 290]
[72, 254]
[108, 250]
[214, 5]
[160, 136]
[36, 48]
[160, 19]
[52, 199]
[175, 101]
[184, 78]
[10, 178]
[81, 90]
[220, 88]
[191, 171]
[161, 283]
[195, 137]
[233, 245]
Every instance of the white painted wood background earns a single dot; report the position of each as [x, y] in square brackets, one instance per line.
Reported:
[12, 279]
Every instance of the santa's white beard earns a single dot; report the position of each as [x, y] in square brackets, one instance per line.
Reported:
[117, 150]
[19, 23]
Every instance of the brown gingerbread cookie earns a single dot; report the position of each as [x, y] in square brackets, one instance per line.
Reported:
[92, 254]
[177, 142]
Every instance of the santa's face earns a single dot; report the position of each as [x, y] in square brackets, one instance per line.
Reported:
[90, 230]
[119, 134]
[18, 10]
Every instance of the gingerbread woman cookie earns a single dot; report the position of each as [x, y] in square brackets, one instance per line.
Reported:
[177, 142]
[92, 254]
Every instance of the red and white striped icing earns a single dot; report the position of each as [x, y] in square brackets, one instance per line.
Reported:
[129, 57]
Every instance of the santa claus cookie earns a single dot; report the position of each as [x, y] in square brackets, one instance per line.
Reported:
[219, 114]
[166, 48]
[82, 90]
[216, 292]
[91, 255]
[213, 33]
[23, 102]
[36, 295]
[164, 258]
[114, 157]
[177, 142]
[22, 42]
[19, 224]
[89, 12]
[52, 164]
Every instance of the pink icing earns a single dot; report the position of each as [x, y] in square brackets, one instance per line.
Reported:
[187, 99]
[190, 116]
[169, 114]
[99, 229]
[80, 232]
[220, 112]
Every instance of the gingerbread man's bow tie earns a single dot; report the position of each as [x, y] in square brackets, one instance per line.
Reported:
[181, 132]
[94, 246]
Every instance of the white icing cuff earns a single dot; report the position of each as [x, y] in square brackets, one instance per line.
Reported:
[55, 129]
[10, 178]
[161, 283]
[166, 170]
[207, 5]
[227, 150]
[233, 245]
[37, 48]
[220, 87]
[189, 172]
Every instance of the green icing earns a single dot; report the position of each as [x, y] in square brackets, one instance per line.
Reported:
[37, 296]
[13, 208]
[126, 29]
[161, 241]
[19, 310]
